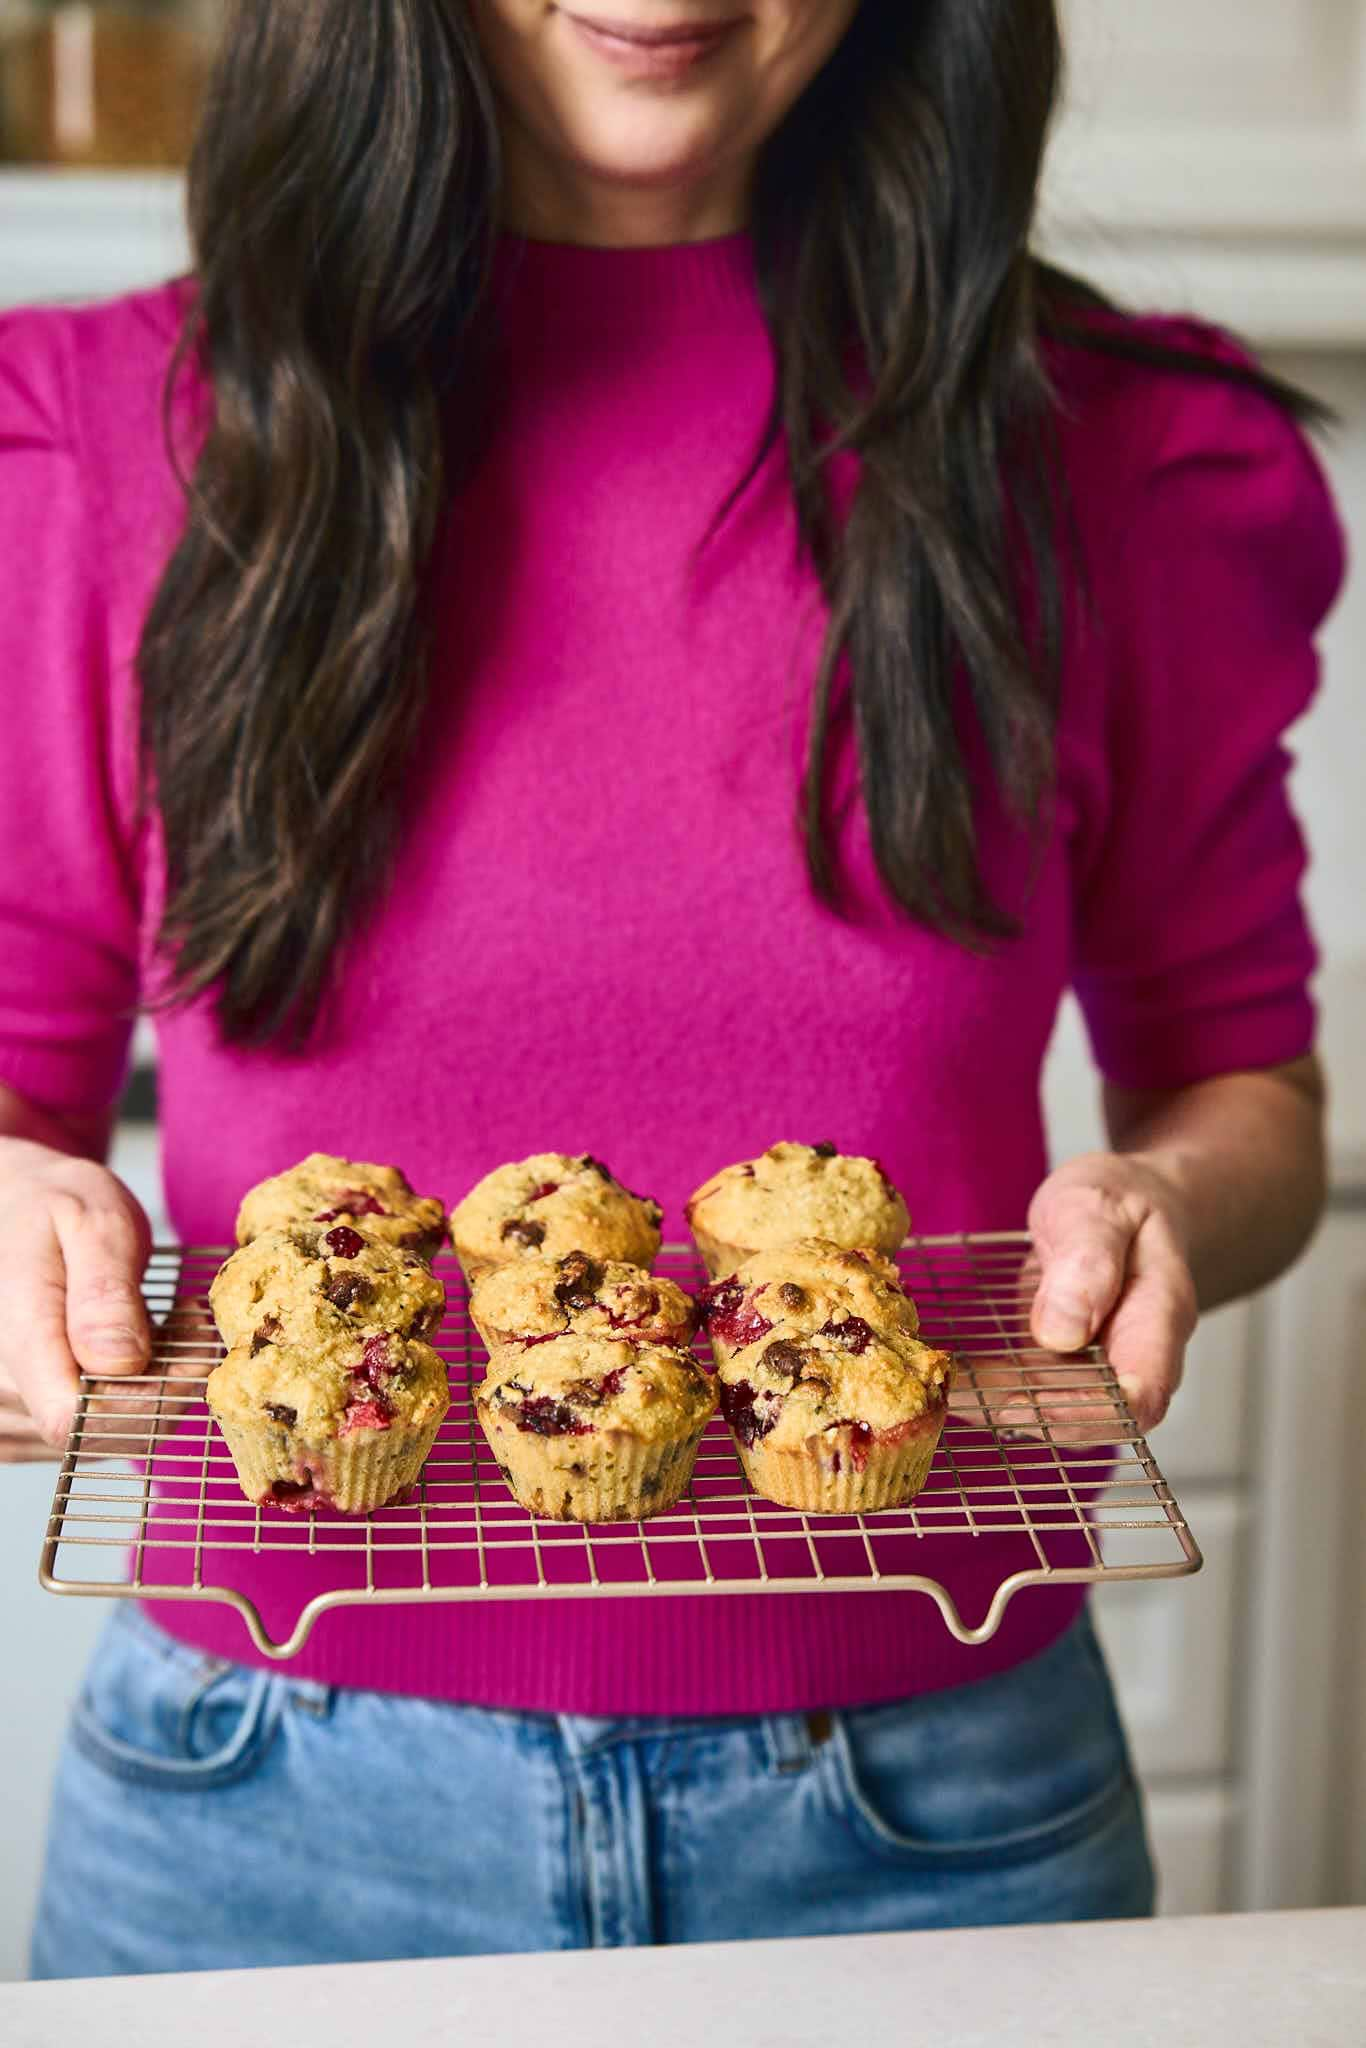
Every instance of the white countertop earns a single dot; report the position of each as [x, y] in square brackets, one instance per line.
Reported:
[1276, 1980]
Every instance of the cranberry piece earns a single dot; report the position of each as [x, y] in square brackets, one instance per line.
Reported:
[826, 1151]
[528, 1234]
[580, 1280]
[344, 1243]
[544, 1416]
[853, 1333]
[792, 1296]
[674, 1333]
[747, 1173]
[738, 1407]
[372, 1413]
[291, 1492]
[862, 1444]
[376, 1362]
[352, 1202]
[346, 1289]
[277, 1412]
[547, 1187]
[836, 1463]
[545, 1337]
[729, 1314]
[266, 1333]
[592, 1393]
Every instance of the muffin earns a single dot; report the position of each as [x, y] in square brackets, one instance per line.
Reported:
[323, 1189]
[553, 1204]
[810, 1287]
[346, 1423]
[319, 1280]
[536, 1298]
[792, 1192]
[586, 1429]
[836, 1425]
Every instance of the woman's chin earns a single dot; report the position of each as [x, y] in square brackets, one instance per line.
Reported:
[652, 154]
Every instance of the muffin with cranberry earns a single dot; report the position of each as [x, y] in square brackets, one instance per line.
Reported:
[318, 1279]
[537, 1298]
[836, 1422]
[552, 1204]
[791, 1192]
[807, 1288]
[346, 1422]
[588, 1429]
[323, 1189]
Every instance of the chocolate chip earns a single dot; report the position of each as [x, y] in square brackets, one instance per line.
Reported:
[344, 1290]
[266, 1333]
[528, 1234]
[792, 1296]
[787, 1357]
[580, 1279]
[595, 1166]
[826, 1151]
[277, 1412]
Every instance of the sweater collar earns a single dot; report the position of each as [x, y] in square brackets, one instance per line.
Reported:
[649, 292]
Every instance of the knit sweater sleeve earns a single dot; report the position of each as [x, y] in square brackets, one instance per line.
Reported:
[68, 900]
[1192, 949]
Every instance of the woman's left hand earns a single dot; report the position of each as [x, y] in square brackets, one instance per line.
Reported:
[1111, 1243]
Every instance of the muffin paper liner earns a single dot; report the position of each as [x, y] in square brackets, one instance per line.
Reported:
[719, 1258]
[353, 1474]
[474, 1267]
[622, 1478]
[805, 1477]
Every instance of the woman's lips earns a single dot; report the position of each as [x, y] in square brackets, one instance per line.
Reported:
[652, 52]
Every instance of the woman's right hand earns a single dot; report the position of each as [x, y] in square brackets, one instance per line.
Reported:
[76, 1243]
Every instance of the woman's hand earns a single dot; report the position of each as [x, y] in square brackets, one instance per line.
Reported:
[76, 1243]
[1112, 1240]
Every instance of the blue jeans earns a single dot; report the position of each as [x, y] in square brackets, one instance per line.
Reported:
[211, 1817]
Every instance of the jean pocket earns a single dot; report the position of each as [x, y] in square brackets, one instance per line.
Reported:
[1023, 1766]
[156, 1713]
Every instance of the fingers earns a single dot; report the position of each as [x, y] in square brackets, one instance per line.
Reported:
[1083, 1235]
[1111, 1270]
[35, 1342]
[20, 1443]
[1146, 1338]
[75, 1246]
[104, 1248]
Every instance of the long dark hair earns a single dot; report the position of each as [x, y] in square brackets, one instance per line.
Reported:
[343, 200]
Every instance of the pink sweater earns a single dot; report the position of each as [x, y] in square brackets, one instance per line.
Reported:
[602, 937]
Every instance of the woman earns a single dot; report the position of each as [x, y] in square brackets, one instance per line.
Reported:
[617, 432]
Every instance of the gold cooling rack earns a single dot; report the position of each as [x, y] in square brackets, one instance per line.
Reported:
[1038, 1448]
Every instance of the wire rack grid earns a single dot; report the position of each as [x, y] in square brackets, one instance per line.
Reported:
[1038, 1449]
